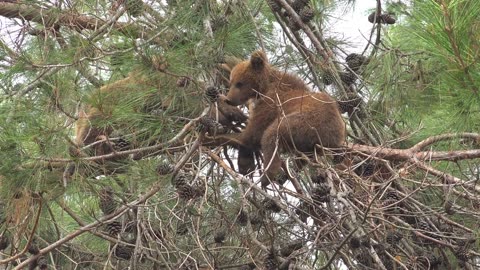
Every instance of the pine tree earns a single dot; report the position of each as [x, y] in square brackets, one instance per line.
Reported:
[144, 81]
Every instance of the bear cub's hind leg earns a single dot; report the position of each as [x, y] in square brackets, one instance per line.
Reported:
[272, 145]
[295, 132]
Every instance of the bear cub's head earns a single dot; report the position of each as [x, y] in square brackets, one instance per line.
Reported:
[248, 79]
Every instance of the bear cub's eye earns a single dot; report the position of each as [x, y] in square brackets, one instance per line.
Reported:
[239, 85]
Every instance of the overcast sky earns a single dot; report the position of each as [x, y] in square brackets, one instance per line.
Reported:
[354, 24]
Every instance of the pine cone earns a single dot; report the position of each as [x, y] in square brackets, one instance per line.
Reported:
[466, 243]
[328, 78]
[291, 247]
[42, 263]
[164, 168]
[123, 252]
[106, 203]
[302, 211]
[392, 195]
[199, 189]
[347, 77]
[355, 242]
[461, 253]
[242, 218]
[380, 249]
[365, 241]
[270, 262]
[274, 5]
[33, 248]
[424, 226]
[4, 242]
[159, 63]
[356, 61]
[429, 261]
[256, 218]
[320, 177]
[121, 144]
[298, 5]
[322, 189]
[212, 93]
[306, 14]
[271, 205]
[208, 124]
[387, 18]
[349, 104]
[410, 219]
[364, 258]
[366, 169]
[219, 236]
[427, 230]
[32, 265]
[445, 229]
[381, 18]
[374, 18]
[321, 193]
[113, 228]
[186, 192]
[391, 206]
[181, 180]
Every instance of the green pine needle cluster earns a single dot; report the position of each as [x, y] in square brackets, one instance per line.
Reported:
[431, 75]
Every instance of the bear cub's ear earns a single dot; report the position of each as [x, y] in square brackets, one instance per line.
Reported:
[258, 60]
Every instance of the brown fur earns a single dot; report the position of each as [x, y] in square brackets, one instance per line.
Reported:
[285, 110]
[104, 100]
[226, 113]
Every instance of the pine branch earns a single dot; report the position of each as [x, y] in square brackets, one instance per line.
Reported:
[88, 227]
[35, 83]
[449, 29]
[415, 153]
[52, 18]
[30, 237]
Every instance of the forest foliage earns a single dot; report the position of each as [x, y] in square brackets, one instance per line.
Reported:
[148, 195]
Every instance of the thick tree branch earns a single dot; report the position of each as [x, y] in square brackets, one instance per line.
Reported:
[414, 152]
[419, 158]
[53, 18]
[431, 140]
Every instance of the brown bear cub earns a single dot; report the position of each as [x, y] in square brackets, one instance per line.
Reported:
[156, 88]
[285, 110]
